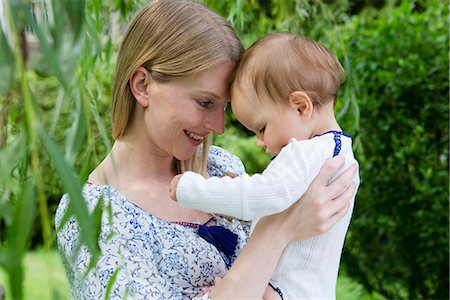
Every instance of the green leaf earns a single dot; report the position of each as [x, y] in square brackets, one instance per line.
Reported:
[76, 13]
[111, 283]
[23, 218]
[18, 237]
[73, 187]
[77, 133]
[10, 157]
[7, 68]
[48, 51]
[93, 35]
[101, 128]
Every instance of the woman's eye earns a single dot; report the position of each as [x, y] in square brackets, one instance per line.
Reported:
[205, 103]
[261, 131]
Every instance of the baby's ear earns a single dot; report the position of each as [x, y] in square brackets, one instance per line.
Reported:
[301, 102]
[139, 82]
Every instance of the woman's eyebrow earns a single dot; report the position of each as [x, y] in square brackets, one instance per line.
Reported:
[209, 94]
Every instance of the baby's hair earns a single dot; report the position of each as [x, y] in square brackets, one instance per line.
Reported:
[281, 63]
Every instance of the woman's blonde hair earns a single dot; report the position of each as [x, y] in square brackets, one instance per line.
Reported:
[171, 38]
[281, 63]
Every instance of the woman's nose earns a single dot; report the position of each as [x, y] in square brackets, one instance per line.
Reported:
[215, 121]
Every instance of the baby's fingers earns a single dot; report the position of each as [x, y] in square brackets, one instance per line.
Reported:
[229, 174]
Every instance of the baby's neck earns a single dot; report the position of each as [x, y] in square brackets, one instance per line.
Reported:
[324, 120]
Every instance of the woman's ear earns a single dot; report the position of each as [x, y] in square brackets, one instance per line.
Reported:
[302, 103]
[139, 82]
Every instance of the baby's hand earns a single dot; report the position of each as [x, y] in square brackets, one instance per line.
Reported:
[207, 290]
[202, 293]
[232, 175]
[173, 187]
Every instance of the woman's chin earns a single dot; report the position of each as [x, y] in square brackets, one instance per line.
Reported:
[185, 155]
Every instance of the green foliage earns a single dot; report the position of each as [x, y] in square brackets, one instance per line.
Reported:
[47, 100]
[44, 277]
[398, 243]
[55, 124]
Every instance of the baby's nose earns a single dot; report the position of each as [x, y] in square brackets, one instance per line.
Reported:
[260, 143]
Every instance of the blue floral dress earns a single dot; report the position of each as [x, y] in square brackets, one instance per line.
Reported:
[153, 258]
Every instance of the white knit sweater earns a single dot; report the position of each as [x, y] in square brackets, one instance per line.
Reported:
[307, 269]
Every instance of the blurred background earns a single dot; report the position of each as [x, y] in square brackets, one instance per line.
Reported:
[57, 61]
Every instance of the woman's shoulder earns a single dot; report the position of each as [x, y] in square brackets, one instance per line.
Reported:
[221, 161]
[91, 194]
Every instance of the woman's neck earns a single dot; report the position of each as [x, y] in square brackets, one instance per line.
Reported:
[132, 163]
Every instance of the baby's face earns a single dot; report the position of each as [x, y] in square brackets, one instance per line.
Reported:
[274, 124]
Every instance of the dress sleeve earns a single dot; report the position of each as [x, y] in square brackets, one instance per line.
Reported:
[250, 197]
[221, 161]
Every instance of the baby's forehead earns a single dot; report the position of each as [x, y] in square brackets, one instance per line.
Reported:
[241, 92]
[245, 98]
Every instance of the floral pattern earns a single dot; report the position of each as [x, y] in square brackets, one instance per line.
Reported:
[153, 258]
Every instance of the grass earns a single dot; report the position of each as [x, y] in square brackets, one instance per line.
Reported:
[45, 279]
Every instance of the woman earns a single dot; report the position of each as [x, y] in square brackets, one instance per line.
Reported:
[173, 71]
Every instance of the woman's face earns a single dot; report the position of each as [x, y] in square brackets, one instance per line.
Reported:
[182, 112]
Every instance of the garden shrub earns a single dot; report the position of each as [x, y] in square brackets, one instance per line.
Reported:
[398, 239]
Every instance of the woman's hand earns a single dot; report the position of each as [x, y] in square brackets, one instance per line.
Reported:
[269, 294]
[323, 204]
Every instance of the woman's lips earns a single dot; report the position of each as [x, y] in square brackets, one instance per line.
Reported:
[194, 138]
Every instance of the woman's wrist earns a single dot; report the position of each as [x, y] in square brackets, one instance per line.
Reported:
[275, 229]
[250, 273]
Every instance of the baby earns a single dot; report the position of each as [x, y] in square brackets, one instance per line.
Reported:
[284, 91]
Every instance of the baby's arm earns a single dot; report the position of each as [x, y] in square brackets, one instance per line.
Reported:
[215, 194]
[251, 197]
